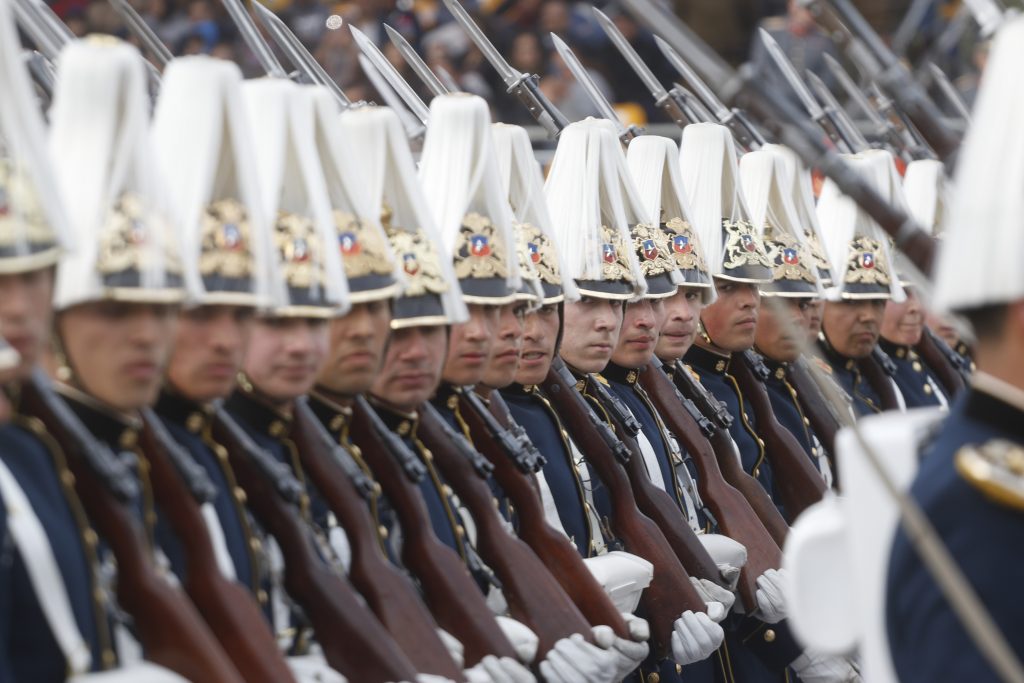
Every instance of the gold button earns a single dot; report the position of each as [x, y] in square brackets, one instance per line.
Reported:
[460, 531]
[337, 422]
[760, 442]
[67, 478]
[262, 596]
[807, 422]
[194, 423]
[916, 366]
[276, 428]
[453, 402]
[631, 377]
[779, 373]
[427, 455]
[447, 490]
[927, 388]
[679, 668]
[849, 365]
[404, 428]
[222, 453]
[769, 635]
[719, 367]
[255, 545]
[653, 678]
[900, 353]
[382, 531]
[129, 438]
[91, 539]
[240, 495]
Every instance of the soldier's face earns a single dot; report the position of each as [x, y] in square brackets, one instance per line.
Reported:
[285, 355]
[682, 310]
[903, 323]
[591, 333]
[412, 367]
[540, 339]
[639, 334]
[781, 328]
[209, 347]
[501, 369]
[731, 321]
[943, 327]
[118, 351]
[814, 312]
[469, 347]
[25, 314]
[357, 343]
[851, 327]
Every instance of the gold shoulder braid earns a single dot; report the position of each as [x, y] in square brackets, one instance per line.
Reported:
[420, 262]
[225, 240]
[788, 258]
[742, 246]
[362, 249]
[478, 253]
[614, 256]
[541, 253]
[685, 246]
[297, 243]
[996, 469]
[866, 264]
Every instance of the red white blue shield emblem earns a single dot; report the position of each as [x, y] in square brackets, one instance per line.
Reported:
[410, 264]
[650, 249]
[608, 252]
[748, 243]
[534, 252]
[681, 244]
[479, 245]
[300, 250]
[349, 243]
[231, 236]
[790, 256]
[867, 260]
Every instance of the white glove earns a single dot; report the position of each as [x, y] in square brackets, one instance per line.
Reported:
[492, 669]
[719, 600]
[771, 596]
[524, 641]
[629, 652]
[574, 660]
[813, 667]
[454, 647]
[431, 678]
[312, 667]
[694, 637]
[729, 556]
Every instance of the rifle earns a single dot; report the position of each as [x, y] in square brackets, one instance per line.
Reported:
[179, 487]
[670, 593]
[878, 370]
[947, 364]
[798, 482]
[728, 458]
[504, 444]
[731, 510]
[166, 623]
[653, 501]
[388, 591]
[818, 408]
[453, 597]
[353, 641]
[533, 596]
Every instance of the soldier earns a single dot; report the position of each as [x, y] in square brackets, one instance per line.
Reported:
[901, 330]
[968, 485]
[863, 280]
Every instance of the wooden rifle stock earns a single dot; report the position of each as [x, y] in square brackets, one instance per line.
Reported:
[728, 458]
[731, 510]
[878, 371]
[798, 482]
[171, 631]
[227, 607]
[451, 593]
[947, 364]
[654, 502]
[387, 590]
[353, 641]
[559, 553]
[533, 595]
[670, 593]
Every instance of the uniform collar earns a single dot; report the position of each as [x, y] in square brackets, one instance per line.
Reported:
[258, 415]
[108, 425]
[402, 423]
[707, 360]
[616, 373]
[777, 368]
[330, 412]
[897, 351]
[192, 415]
[834, 358]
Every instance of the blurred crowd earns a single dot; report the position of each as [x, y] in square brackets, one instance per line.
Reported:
[520, 29]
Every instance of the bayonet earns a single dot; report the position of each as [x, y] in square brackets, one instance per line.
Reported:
[805, 96]
[746, 134]
[947, 89]
[252, 37]
[388, 71]
[447, 79]
[141, 30]
[593, 92]
[693, 107]
[847, 128]
[910, 136]
[42, 72]
[523, 86]
[297, 52]
[414, 130]
[47, 38]
[413, 59]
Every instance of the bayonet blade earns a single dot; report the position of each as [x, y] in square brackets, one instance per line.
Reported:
[632, 58]
[446, 79]
[48, 44]
[853, 137]
[391, 75]
[701, 89]
[414, 130]
[138, 26]
[297, 52]
[416, 62]
[251, 35]
[509, 75]
[942, 80]
[790, 74]
[853, 91]
[593, 92]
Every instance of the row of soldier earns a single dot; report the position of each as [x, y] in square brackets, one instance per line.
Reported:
[313, 411]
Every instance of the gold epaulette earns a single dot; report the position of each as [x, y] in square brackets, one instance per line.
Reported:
[996, 468]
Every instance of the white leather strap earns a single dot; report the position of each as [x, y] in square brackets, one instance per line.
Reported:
[29, 536]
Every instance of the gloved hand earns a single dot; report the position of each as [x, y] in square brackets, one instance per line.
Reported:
[454, 647]
[493, 669]
[629, 652]
[431, 678]
[719, 600]
[814, 667]
[729, 556]
[694, 637]
[771, 596]
[574, 660]
[523, 640]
